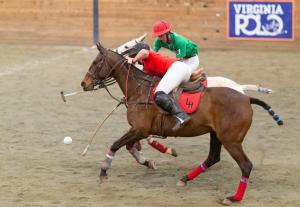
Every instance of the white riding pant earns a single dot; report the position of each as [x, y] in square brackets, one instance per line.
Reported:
[177, 73]
[192, 62]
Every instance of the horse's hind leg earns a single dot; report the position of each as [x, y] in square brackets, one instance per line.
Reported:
[160, 147]
[237, 153]
[135, 150]
[213, 158]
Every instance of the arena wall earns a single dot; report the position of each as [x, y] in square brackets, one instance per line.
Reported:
[70, 22]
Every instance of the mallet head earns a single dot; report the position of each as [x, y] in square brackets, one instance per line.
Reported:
[63, 96]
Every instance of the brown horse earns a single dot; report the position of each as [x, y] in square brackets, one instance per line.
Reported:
[223, 112]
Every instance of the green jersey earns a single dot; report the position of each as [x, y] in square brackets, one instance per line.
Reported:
[183, 47]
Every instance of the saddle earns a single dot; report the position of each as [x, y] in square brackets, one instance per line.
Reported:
[188, 94]
[195, 83]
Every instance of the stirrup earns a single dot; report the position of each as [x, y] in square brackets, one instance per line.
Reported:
[180, 123]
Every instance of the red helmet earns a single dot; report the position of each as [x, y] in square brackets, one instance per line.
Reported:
[160, 27]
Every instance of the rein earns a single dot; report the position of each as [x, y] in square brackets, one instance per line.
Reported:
[126, 85]
[108, 80]
[152, 83]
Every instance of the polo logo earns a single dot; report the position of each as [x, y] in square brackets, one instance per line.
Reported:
[261, 19]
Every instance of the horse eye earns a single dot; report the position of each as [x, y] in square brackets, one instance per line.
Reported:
[94, 62]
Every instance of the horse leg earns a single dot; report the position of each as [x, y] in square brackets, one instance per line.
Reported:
[237, 153]
[160, 147]
[130, 137]
[135, 150]
[213, 158]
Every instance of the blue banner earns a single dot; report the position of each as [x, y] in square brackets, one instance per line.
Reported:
[273, 20]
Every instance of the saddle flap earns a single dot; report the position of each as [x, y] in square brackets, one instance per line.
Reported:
[187, 97]
[189, 102]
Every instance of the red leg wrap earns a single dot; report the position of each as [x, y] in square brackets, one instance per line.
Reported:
[158, 146]
[241, 189]
[196, 171]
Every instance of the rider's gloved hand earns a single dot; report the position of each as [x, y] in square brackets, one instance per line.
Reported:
[130, 60]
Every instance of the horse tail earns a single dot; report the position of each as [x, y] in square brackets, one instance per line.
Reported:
[267, 108]
[257, 88]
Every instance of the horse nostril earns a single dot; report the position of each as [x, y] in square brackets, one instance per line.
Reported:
[82, 84]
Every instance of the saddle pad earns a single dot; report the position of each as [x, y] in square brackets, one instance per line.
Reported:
[204, 82]
[189, 102]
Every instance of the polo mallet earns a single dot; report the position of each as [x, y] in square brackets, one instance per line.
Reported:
[83, 153]
[63, 95]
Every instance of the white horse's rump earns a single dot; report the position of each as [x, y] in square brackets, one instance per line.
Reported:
[225, 82]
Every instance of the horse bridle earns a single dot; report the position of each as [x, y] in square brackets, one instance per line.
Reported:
[108, 80]
[95, 68]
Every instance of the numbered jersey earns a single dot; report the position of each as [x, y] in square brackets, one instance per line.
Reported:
[183, 47]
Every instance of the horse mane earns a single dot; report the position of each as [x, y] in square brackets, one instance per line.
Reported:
[137, 72]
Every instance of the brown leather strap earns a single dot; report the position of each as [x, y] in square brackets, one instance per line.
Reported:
[196, 75]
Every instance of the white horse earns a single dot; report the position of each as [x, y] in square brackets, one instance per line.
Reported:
[128, 45]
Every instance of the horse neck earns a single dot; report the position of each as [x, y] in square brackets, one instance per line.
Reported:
[128, 84]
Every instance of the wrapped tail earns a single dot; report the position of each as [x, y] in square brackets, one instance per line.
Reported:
[267, 108]
[257, 88]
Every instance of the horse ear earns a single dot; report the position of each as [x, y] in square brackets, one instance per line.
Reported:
[99, 46]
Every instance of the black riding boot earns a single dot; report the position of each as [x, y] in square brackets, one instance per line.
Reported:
[165, 102]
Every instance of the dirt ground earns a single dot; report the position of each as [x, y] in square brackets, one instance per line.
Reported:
[37, 169]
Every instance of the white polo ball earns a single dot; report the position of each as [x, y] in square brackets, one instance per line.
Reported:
[67, 140]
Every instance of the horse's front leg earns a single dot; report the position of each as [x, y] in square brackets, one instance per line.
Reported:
[130, 137]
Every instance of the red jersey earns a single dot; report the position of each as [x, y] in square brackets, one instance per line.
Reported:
[157, 64]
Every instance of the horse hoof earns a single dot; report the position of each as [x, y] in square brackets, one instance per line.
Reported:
[103, 175]
[181, 183]
[171, 151]
[152, 165]
[228, 201]
[174, 153]
[103, 178]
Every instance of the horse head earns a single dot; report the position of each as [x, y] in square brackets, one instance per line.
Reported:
[99, 71]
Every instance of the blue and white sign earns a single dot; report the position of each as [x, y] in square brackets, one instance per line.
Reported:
[262, 20]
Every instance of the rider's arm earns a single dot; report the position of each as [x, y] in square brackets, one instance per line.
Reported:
[141, 55]
[156, 45]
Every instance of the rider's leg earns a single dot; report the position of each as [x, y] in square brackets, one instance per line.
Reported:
[178, 72]
[192, 62]
[165, 102]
